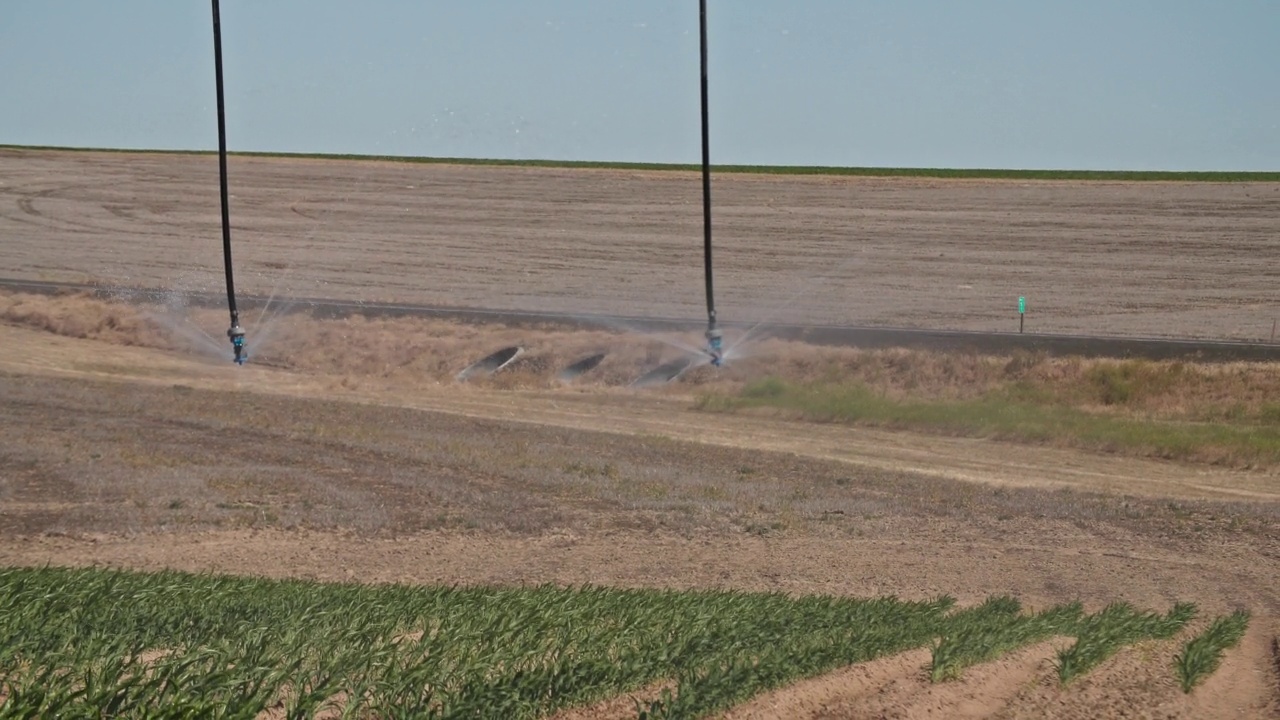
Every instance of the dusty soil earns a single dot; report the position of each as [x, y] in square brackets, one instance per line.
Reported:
[137, 457]
[162, 455]
[1161, 259]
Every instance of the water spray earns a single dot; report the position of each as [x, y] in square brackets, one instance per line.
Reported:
[715, 339]
[235, 333]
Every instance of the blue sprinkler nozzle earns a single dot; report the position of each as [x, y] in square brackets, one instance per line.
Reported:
[715, 346]
[236, 333]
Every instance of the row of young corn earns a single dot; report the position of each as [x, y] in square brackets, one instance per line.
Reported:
[94, 643]
[998, 626]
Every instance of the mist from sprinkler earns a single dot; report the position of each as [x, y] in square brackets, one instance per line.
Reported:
[623, 327]
[176, 318]
[193, 334]
[271, 317]
[715, 352]
[738, 347]
[262, 314]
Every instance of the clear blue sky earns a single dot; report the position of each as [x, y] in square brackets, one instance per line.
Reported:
[1098, 84]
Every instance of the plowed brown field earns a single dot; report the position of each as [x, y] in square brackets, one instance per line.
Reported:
[1147, 258]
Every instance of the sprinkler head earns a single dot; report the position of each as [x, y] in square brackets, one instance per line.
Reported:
[715, 346]
[236, 333]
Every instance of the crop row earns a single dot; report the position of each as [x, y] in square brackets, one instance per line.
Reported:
[1101, 635]
[89, 643]
[1200, 655]
[80, 642]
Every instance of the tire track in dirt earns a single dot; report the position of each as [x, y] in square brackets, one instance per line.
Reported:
[26, 202]
[28, 206]
[981, 691]
[900, 688]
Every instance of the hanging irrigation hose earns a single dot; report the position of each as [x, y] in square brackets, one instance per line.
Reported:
[235, 332]
[715, 340]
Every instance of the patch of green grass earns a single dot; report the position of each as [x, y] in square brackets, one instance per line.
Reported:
[607, 471]
[1104, 633]
[1013, 413]
[956, 173]
[1269, 413]
[1124, 383]
[1201, 655]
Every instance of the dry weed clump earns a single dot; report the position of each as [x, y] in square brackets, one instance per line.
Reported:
[78, 315]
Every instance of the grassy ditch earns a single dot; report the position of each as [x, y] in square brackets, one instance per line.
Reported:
[1201, 413]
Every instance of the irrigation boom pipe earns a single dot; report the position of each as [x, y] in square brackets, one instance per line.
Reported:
[235, 332]
[714, 338]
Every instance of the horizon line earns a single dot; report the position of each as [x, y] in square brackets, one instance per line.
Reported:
[863, 171]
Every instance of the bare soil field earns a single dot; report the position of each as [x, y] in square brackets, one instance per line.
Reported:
[1148, 258]
[357, 456]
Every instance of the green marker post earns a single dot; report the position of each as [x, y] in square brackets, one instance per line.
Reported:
[1022, 312]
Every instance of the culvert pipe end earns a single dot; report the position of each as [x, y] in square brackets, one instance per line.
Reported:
[490, 364]
[581, 367]
[664, 373]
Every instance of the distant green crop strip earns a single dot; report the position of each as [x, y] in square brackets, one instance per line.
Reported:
[942, 173]
[81, 643]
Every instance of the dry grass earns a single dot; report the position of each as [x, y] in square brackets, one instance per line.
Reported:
[80, 316]
[416, 350]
